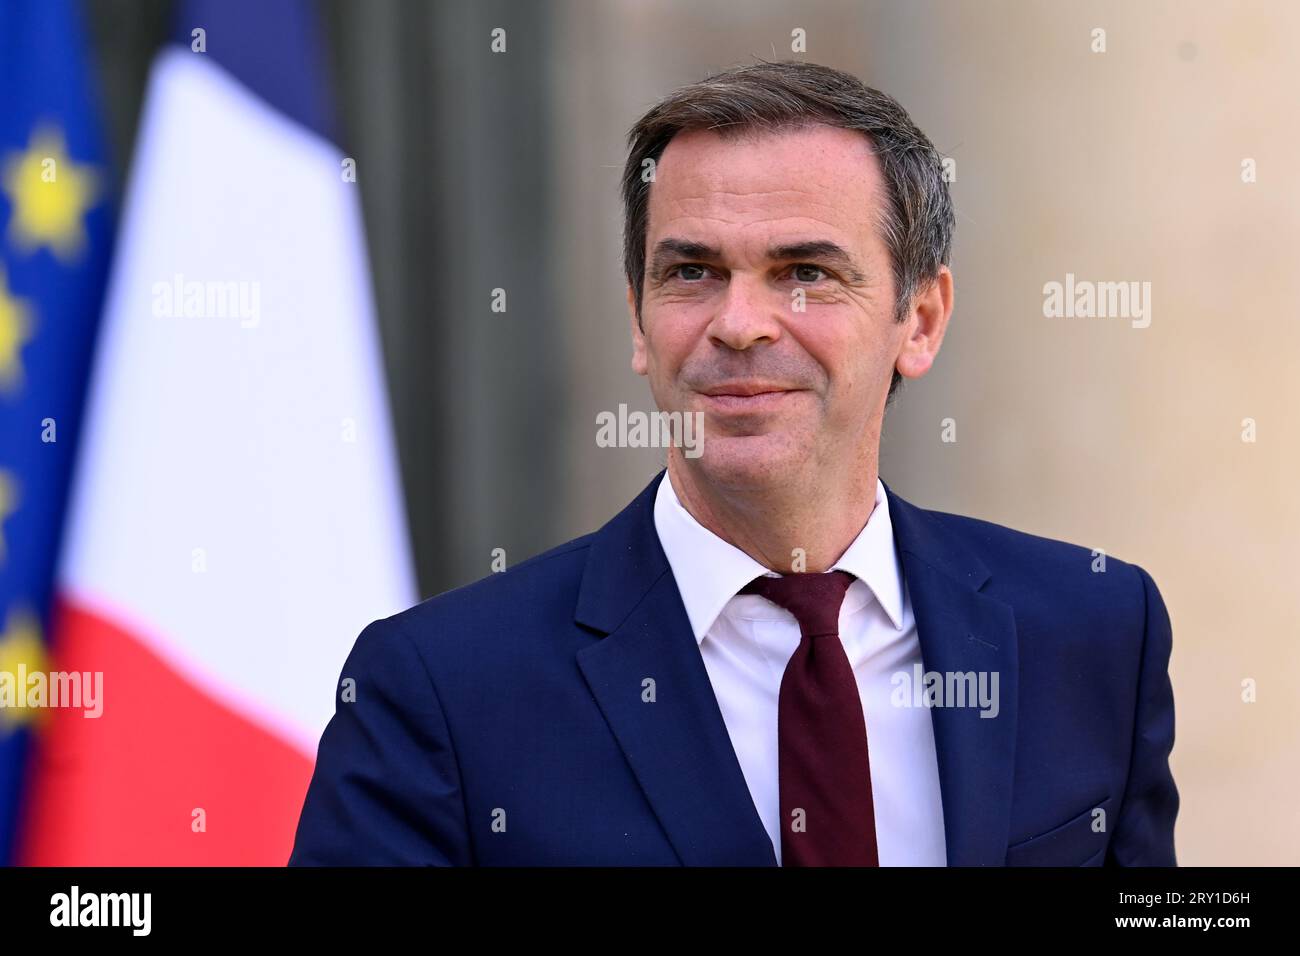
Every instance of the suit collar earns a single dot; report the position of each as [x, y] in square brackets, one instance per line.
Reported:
[918, 532]
[649, 679]
[623, 563]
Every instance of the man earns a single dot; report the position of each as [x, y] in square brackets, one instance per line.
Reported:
[768, 658]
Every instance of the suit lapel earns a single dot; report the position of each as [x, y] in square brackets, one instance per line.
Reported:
[962, 630]
[677, 745]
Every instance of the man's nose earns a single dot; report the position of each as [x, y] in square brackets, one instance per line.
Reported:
[749, 313]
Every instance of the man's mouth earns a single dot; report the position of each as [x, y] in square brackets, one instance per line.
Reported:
[746, 397]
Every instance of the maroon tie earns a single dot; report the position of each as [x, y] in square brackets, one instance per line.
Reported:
[827, 817]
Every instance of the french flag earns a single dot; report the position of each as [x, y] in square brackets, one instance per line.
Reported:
[236, 516]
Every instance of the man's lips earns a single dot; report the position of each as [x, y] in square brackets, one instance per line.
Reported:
[744, 389]
[746, 397]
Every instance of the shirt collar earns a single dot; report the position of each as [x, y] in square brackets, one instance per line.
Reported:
[710, 572]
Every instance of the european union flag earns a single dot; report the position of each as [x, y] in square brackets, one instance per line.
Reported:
[55, 232]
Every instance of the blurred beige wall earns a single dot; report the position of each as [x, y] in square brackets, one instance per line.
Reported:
[1115, 166]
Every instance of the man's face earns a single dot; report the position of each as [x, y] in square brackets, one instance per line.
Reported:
[787, 351]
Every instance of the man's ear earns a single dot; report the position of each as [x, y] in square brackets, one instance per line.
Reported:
[639, 364]
[925, 325]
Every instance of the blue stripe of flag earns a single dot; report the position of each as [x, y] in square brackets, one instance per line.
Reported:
[52, 275]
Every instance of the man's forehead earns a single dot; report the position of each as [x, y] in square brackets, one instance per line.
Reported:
[813, 153]
[819, 173]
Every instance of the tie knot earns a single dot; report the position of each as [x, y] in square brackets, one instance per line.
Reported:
[814, 599]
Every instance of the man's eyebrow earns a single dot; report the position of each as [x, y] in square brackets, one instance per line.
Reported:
[668, 251]
[819, 250]
[671, 250]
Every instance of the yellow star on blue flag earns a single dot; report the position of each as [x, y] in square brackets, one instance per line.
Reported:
[49, 194]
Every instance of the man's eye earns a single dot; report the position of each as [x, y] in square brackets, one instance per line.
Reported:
[680, 270]
[801, 272]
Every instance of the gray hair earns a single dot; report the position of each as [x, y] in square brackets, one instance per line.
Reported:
[918, 222]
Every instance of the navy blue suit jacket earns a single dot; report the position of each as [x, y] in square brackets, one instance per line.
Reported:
[503, 723]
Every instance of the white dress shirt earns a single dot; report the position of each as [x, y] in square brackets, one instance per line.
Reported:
[746, 641]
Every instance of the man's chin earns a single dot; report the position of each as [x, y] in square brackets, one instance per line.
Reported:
[748, 463]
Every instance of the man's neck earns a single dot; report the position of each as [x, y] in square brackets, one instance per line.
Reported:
[795, 527]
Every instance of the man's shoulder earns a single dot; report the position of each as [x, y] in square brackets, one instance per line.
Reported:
[1044, 571]
[999, 541]
[513, 601]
